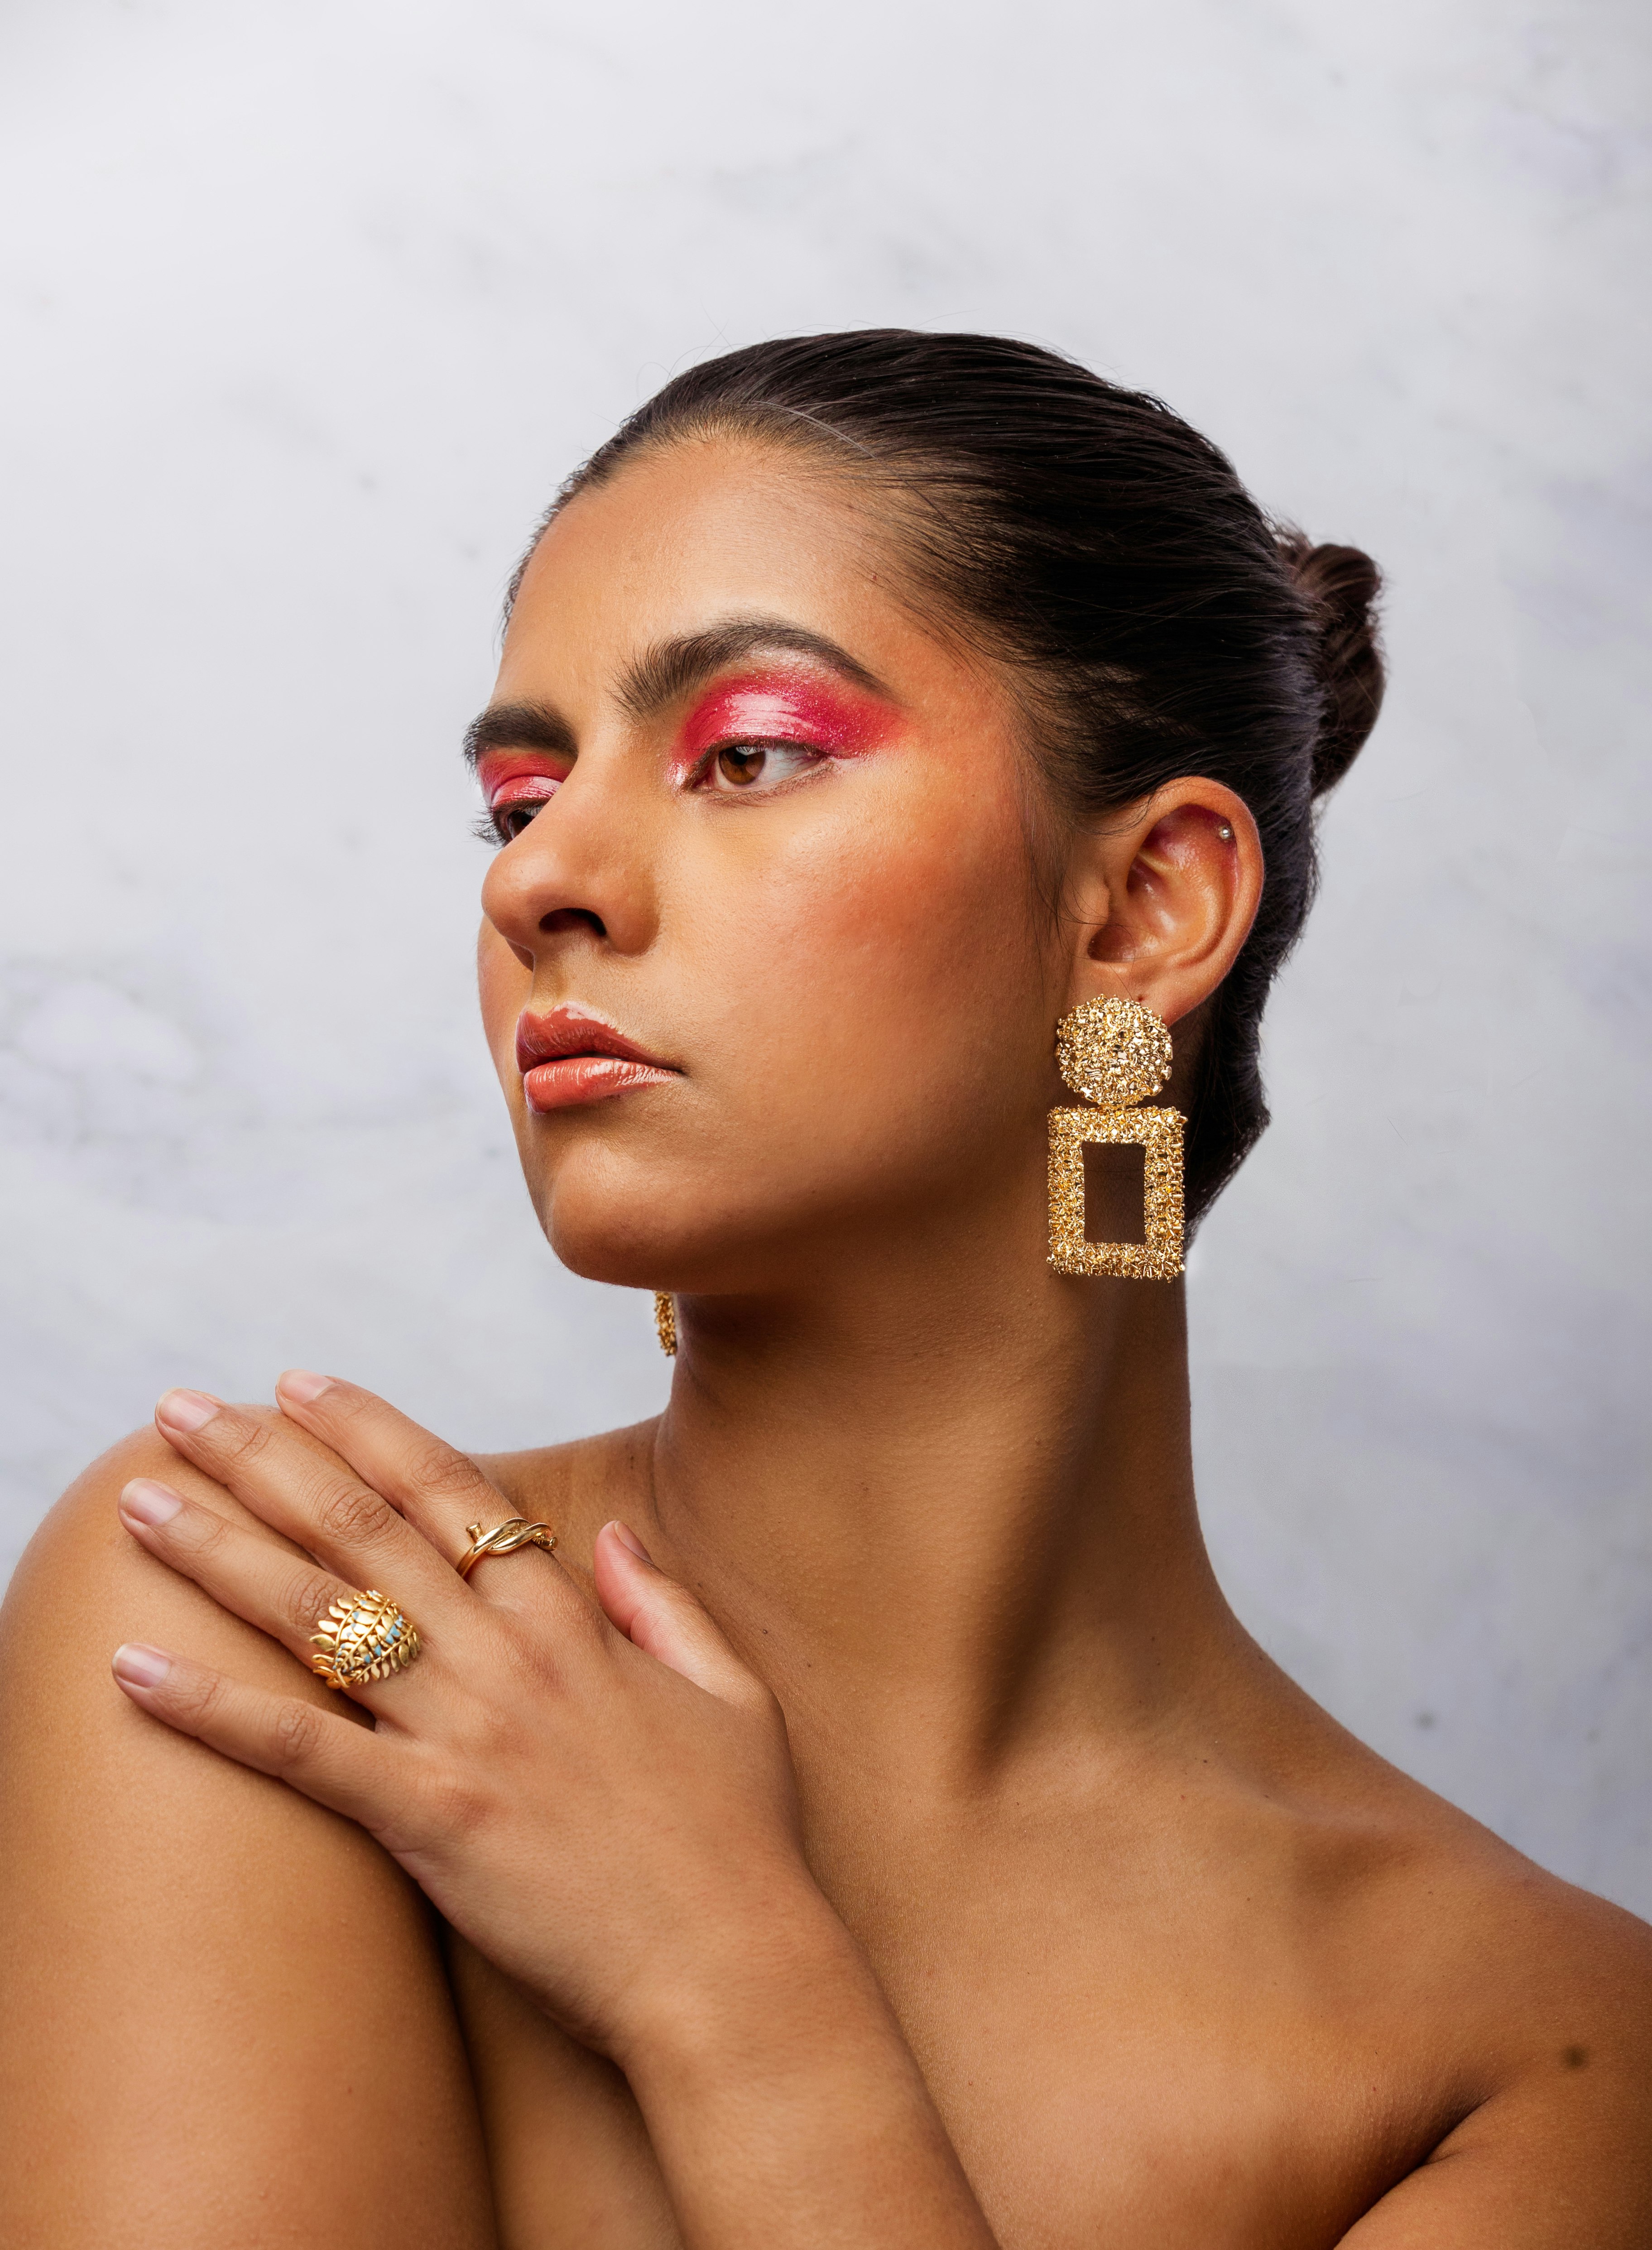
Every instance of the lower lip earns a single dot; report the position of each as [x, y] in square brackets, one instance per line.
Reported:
[577, 1079]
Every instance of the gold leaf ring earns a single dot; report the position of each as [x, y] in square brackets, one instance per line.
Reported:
[364, 1637]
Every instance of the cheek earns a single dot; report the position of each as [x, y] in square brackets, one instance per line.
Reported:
[880, 956]
[927, 892]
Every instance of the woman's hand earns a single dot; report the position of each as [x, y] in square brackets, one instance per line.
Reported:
[601, 1799]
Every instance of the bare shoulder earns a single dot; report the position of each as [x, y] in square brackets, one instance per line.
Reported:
[1521, 2005]
[1541, 1995]
[1536, 1950]
[183, 1941]
[1556, 1981]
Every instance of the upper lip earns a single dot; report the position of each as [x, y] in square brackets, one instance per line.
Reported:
[571, 1030]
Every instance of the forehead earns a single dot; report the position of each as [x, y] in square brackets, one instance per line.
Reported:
[706, 529]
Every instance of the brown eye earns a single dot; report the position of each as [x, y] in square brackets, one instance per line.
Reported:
[741, 766]
[757, 769]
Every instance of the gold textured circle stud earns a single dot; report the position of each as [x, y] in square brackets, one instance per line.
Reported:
[504, 1539]
[1113, 1053]
[365, 1638]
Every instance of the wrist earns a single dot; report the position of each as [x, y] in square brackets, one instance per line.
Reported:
[784, 2104]
[761, 1986]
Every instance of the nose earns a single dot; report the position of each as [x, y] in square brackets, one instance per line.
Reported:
[583, 871]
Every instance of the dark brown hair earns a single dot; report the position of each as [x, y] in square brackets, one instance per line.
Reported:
[1156, 622]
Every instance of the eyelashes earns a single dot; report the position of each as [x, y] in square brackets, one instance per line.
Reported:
[512, 805]
[504, 826]
[738, 769]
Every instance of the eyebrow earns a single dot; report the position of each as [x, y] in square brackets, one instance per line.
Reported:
[518, 726]
[671, 668]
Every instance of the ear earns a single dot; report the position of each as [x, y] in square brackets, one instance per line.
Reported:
[1165, 898]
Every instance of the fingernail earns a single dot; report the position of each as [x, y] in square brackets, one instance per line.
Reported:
[299, 1385]
[140, 1665]
[627, 1538]
[146, 1502]
[185, 1410]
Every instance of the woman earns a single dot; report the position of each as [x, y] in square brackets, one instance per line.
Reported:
[871, 1826]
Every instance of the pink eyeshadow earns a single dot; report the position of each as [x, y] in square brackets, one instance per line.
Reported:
[517, 778]
[786, 708]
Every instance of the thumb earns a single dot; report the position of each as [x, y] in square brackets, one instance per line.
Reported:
[665, 1620]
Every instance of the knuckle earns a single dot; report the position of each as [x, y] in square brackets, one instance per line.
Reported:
[205, 1530]
[342, 1402]
[534, 1658]
[194, 1694]
[436, 1468]
[678, 1602]
[453, 1804]
[350, 1514]
[309, 1596]
[246, 1438]
[295, 1734]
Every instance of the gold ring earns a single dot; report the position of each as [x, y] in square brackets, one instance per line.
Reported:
[365, 1637]
[504, 1539]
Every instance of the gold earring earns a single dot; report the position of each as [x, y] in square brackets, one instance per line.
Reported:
[666, 1323]
[1114, 1053]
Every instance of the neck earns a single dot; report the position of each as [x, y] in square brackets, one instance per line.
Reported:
[950, 1512]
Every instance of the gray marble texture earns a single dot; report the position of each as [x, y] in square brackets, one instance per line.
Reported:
[307, 310]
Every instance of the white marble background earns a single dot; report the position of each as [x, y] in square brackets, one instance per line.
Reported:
[306, 311]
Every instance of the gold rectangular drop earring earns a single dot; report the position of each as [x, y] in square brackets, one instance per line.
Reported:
[1114, 1053]
[666, 1322]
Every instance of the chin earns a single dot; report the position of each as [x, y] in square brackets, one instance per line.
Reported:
[620, 1222]
[623, 1257]
[655, 1225]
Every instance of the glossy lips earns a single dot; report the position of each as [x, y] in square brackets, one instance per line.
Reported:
[569, 1056]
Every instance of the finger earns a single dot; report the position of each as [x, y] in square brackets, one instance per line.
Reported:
[285, 1595]
[434, 1485]
[333, 1759]
[289, 1481]
[665, 1620]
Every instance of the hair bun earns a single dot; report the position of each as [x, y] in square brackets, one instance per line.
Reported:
[1340, 586]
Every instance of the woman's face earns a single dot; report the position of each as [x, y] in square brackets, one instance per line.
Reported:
[767, 832]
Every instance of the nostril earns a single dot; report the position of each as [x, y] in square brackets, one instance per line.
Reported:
[567, 918]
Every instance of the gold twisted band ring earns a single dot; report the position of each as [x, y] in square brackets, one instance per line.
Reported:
[504, 1539]
[364, 1637]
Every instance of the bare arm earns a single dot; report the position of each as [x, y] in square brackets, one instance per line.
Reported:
[225, 2014]
[784, 2105]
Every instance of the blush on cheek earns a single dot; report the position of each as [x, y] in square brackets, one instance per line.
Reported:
[783, 706]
